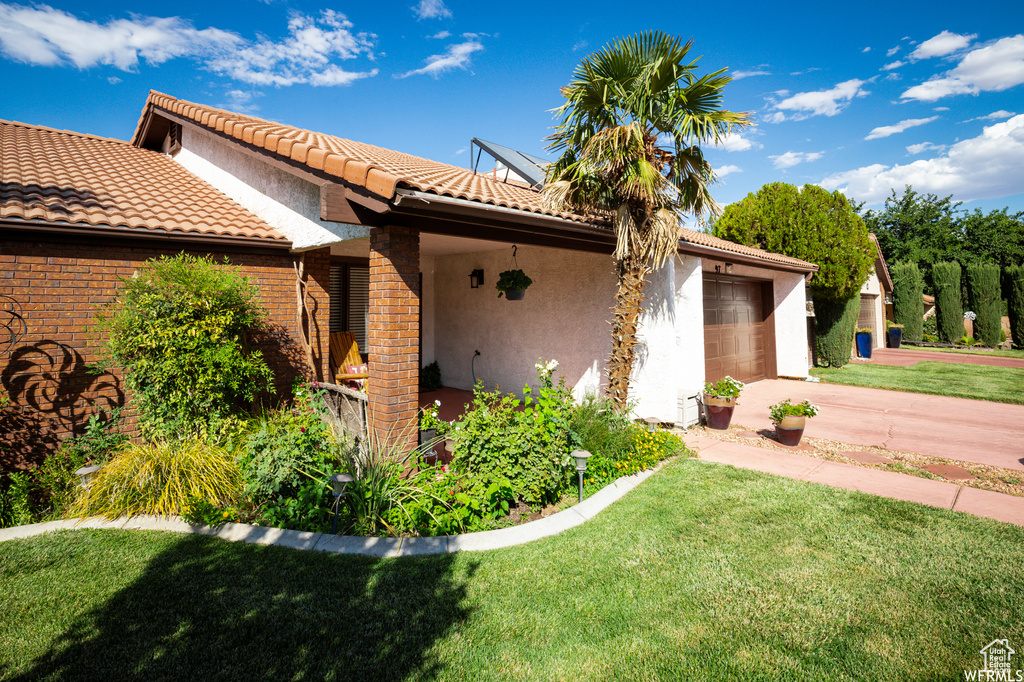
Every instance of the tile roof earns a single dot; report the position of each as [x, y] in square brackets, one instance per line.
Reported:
[61, 176]
[382, 171]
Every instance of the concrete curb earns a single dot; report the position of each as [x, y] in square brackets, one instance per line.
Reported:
[345, 544]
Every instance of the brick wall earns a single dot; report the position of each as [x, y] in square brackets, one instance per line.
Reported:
[59, 285]
[394, 332]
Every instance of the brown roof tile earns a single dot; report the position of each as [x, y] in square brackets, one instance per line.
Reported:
[61, 176]
[382, 171]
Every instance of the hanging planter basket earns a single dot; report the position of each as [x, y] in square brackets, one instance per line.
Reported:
[512, 283]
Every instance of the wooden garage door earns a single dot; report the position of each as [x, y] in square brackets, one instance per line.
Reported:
[734, 329]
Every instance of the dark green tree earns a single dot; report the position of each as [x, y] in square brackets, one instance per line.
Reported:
[949, 307]
[996, 237]
[1013, 287]
[915, 228]
[818, 226]
[907, 299]
[984, 298]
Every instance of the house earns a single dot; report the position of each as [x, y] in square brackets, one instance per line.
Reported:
[876, 299]
[342, 235]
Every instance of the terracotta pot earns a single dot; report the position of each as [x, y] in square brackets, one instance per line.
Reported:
[790, 430]
[718, 411]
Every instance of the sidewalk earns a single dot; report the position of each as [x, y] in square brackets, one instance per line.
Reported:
[1006, 508]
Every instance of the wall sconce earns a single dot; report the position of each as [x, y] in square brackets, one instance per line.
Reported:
[476, 279]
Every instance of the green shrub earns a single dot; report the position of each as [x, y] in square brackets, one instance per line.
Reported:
[985, 301]
[161, 478]
[908, 299]
[530, 447]
[286, 458]
[835, 324]
[601, 430]
[15, 500]
[930, 327]
[949, 307]
[181, 331]
[430, 377]
[1014, 277]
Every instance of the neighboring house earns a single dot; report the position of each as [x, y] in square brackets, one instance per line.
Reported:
[383, 244]
[876, 299]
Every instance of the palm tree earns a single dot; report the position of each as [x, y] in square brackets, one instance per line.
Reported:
[634, 117]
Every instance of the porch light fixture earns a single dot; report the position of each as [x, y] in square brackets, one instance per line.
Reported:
[581, 465]
[728, 268]
[86, 475]
[338, 483]
[476, 279]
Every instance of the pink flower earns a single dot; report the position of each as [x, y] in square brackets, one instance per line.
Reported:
[302, 429]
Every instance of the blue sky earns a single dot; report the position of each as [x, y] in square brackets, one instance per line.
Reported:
[861, 97]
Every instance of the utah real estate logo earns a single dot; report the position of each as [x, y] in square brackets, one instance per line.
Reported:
[997, 666]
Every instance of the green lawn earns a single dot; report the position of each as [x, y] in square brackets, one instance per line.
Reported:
[702, 572]
[998, 384]
[1012, 353]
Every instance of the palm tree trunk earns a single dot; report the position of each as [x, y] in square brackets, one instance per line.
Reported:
[632, 275]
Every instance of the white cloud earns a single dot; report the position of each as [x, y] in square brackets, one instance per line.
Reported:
[892, 50]
[242, 101]
[581, 45]
[431, 9]
[994, 116]
[735, 142]
[940, 108]
[941, 45]
[113, 80]
[821, 103]
[983, 167]
[866, 49]
[993, 68]
[45, 36]
[737, 75]
[441, 35]
[916, 149]
[727, 170]
[455, 57]
[461, 150]
[790, 159]
[886, 131]
[893, 65]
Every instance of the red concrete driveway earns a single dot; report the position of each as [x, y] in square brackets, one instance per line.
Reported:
[956, 428]
[905, 357]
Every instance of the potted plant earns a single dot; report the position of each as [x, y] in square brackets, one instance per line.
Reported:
[720, 401]
[513, 284]
[864, 342]
[895, 332]
[430, 423]
[790, 420]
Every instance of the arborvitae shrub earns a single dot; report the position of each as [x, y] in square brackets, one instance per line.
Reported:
[836, 323]
[985, 301]
[948, 303]
[908, 304]
[1014, 288]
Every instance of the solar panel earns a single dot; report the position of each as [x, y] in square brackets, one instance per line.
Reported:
[528, 167]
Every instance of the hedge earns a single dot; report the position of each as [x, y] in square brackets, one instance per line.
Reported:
[1014, 287]
[985, 300]
[907, 299]
[949, 308]
[836, 324]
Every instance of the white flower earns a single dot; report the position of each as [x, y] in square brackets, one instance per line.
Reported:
[438, 403]
[552, 364]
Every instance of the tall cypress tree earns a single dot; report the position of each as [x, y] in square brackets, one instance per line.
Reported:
[1014, 288]
[984, 298]
[949, 307]
[907, 299]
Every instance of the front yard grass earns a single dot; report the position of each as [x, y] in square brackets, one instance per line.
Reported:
[997, 384]
[702, 572]
[1002, 353]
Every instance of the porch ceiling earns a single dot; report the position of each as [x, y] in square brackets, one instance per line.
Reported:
[430, 245]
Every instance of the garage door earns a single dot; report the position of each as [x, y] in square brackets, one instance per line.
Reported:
[734, 329]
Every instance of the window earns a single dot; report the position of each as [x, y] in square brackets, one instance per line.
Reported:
[350, 302]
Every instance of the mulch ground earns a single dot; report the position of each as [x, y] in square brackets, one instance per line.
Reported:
[1009, 481]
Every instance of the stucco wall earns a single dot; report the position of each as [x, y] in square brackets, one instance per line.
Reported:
[689, 325]
[873, 287]
[564, 316]
[790, 314]
[289, 203]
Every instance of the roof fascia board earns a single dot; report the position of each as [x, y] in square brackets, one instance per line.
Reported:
[94, 231]
[745, 259]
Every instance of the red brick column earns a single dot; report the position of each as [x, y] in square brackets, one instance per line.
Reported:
[394, 333]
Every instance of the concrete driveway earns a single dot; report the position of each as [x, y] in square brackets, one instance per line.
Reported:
[956, 428]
